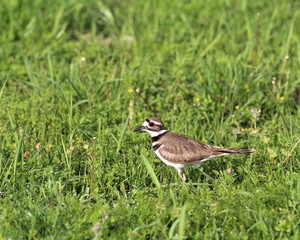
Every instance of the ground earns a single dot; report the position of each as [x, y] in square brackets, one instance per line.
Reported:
[78, 76]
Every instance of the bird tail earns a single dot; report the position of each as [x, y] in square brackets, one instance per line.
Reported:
[224, 151]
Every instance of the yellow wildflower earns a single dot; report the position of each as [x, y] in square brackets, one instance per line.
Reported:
[130, 90]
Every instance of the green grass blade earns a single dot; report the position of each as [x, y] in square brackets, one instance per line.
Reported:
[122, 133]
[19, 153]
[181, 230]
[173, 228]
[12, 125]
[151, 172]
[30, 74]
[50, 64]
[67, 160]
[3, 86]
[280, 112]
[288, 41]
[211, 45]
[181, 223]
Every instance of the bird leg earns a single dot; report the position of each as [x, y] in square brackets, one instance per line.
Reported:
[183, 177]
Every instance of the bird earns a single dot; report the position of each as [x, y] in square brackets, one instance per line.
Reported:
[180, 151]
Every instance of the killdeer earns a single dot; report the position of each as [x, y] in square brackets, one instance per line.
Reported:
[180, 151]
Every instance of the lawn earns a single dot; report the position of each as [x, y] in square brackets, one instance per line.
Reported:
[76, 78]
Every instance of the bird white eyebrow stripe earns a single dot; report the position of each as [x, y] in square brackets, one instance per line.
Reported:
[156, 123]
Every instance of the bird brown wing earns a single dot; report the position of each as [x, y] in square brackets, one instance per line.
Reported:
[181, 149]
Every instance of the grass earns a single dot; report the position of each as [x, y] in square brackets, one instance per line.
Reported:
[77, 77]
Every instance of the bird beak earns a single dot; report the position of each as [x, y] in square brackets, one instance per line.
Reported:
[139, 129]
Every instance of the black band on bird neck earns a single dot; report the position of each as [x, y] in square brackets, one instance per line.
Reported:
[154, 139]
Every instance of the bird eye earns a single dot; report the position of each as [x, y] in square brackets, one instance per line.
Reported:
[151, 124]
